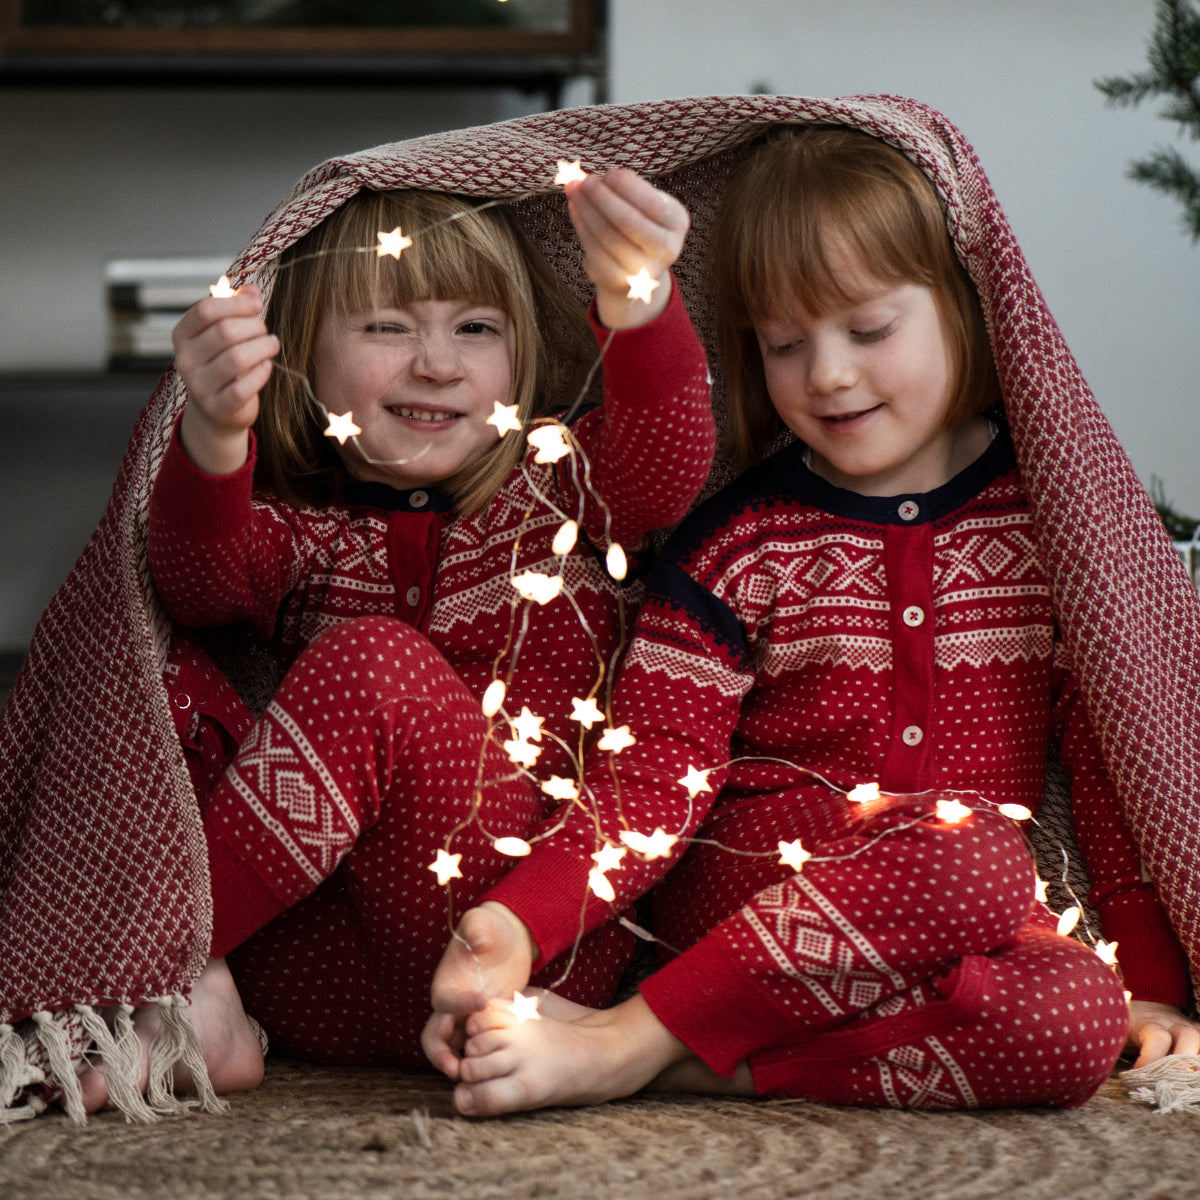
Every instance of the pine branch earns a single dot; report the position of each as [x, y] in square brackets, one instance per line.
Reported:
[1166, 171]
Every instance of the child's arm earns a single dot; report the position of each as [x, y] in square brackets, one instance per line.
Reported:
[224, 355]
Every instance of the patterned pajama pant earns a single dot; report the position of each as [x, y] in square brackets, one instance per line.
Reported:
[322, 831]
[906, 965]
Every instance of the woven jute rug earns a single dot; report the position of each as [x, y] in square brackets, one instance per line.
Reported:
[359, 1134]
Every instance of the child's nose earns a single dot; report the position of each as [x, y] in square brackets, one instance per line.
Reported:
[436, 358]
[830, 368]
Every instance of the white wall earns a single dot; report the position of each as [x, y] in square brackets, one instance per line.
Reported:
[1121, 277]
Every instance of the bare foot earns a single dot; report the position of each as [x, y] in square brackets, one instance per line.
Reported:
[571, 1055]
[228, 1043]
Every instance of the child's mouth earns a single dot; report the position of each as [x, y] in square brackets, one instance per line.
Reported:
[422, 414]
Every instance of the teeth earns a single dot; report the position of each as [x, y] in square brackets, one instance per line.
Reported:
[420, 414]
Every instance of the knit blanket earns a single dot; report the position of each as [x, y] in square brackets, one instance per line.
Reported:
[104, 891]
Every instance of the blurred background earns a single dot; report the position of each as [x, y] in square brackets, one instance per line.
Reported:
[111, 156]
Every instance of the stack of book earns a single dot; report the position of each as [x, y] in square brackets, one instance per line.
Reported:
[146, 297]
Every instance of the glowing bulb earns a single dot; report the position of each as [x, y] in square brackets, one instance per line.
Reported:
[561, 789]
[493, 697]
[565, 538]
[600, 885]
[523, 753]
[641, 285]
[586, 712]
[951, 811]
[1069, 920]
[608, 857]
[616, 562]
[445, 866]
[1039, 890]
[616, 740]
[864, 793]
[695, 781]
[569, 172]
[550, 442]
[533, 585]
[1015, 812]
[514, 847]
[525, 1008]
[504, 417]
[222, 289]
[1107, 952]
[654, 845]
[342, 426]
[793, 855]
[528, 727]
[393, 243]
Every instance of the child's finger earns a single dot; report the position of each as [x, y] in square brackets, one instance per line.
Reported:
[634, 217]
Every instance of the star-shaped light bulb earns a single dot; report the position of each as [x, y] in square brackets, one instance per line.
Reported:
[793, 855]
[1039, 890]
[342, 426]
[863, 793]
[525, 1008]
[550, 442]
[559, 788]
[653, 845]
[641, 285]
[569, 172]
[615, 562]
[493, 697]
[528, 727]
[586, 712]
[1107, 952]
[951, 811]
[608, 857]
[616, 740]
[514, 847]
[565, 538]
[534, 585]
[523, 753]
[1068, 920]
[222, 289]
[445, 866]
[394, 243]
[696, 781]
[504, 417]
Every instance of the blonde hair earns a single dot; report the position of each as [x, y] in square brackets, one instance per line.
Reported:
[459, 252]
[802, 194]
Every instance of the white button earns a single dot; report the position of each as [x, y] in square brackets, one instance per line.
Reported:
[418, 499]
[909, 510]
[413, 596]
[914, 616]
[913, 735]
[183, 701]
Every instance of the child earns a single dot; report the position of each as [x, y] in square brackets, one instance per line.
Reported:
[867, 604]
[380, 566]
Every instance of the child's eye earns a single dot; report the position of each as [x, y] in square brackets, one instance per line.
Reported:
[384, 327]
[873, 335]
[781, 349]
[477, 327]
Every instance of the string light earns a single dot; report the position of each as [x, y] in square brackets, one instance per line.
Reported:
[642, 285]
[600, 885]
[565, 538]
[696, 782]
[342, 426]
[658, 844]
[569, 172]
[525, 1008]
[514, 847]
[1107, 952]
[504, 418]
[1040, 890]
[537, 586]
[493, 698]
[1016, 812]
[615, 562]
[393, 244]
[523, 753]
[616, 740]
[222, 289]
[586, 712]
[528, 727]
[560, 788]
[550, 441]
[793, 855]
[863, 793]
[952, 811]
[1069, 919]
[445, 866]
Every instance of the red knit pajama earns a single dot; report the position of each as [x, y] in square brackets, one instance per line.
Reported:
[322, 832]
[912, 971]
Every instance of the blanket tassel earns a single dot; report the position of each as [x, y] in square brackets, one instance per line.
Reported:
[176, 1042]
[1170, 1084]
[54, 1041]
[121, 1058]
[16, 1074]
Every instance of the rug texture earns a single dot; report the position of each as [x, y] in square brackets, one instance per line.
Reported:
[345, 1134]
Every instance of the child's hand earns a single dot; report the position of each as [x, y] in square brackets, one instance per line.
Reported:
[1157, 1030]
[626, 225]
[489, 956]
[224, 354]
